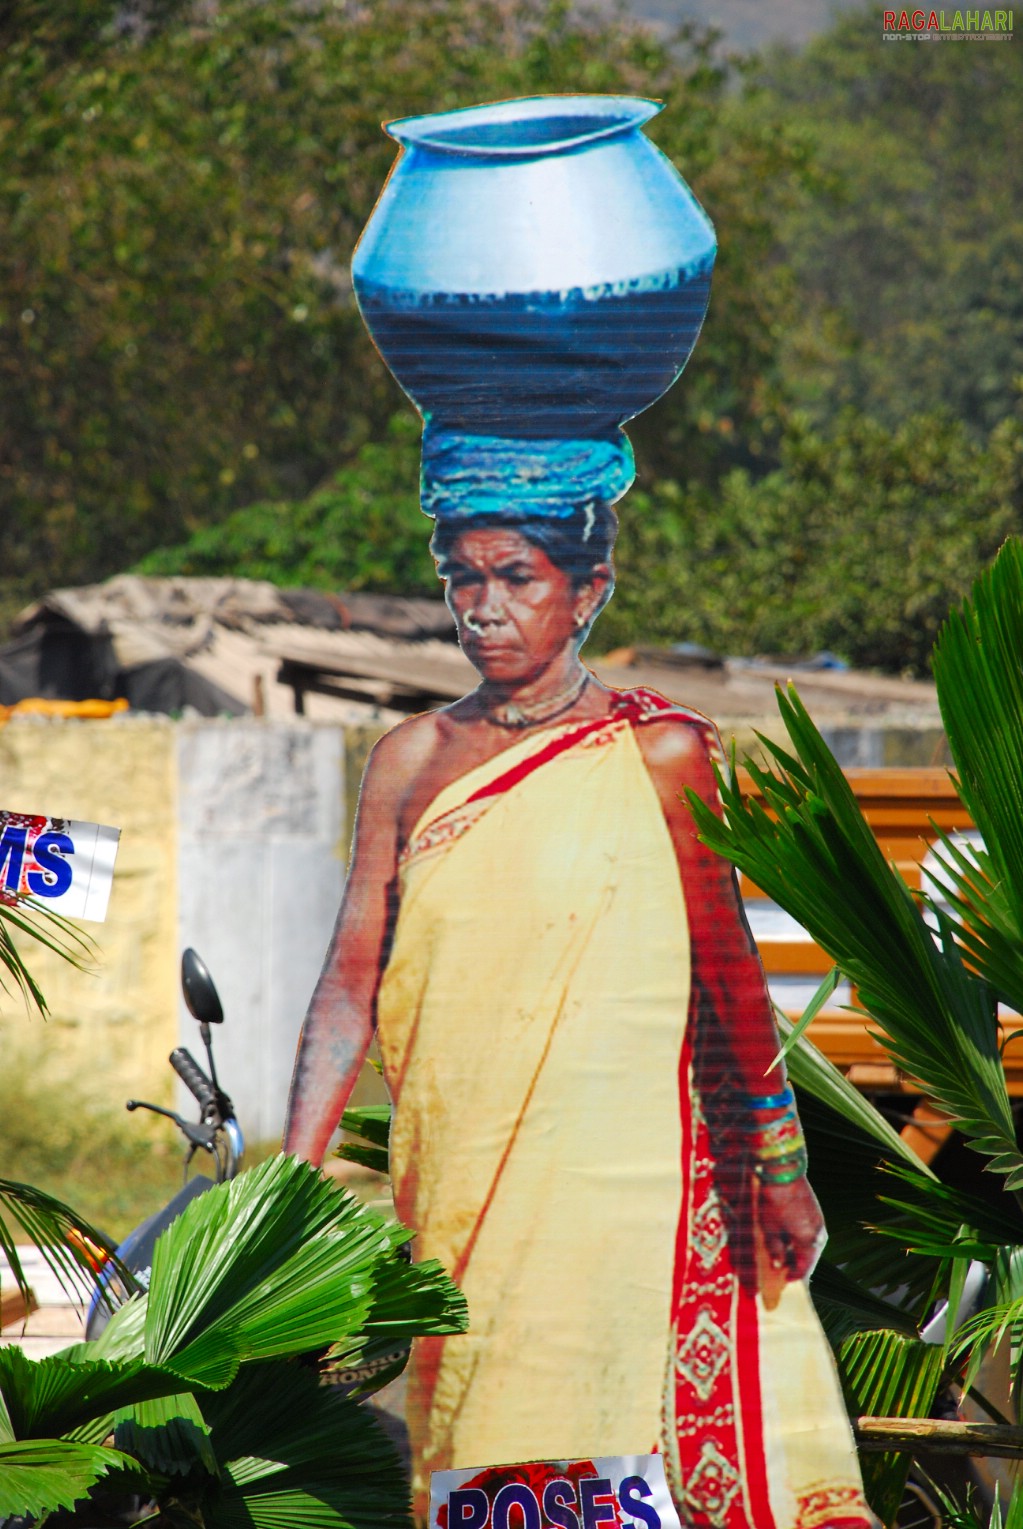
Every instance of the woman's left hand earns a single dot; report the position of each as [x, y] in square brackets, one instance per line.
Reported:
[791, 1227]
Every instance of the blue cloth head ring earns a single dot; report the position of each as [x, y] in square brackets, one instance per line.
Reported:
[465, 477]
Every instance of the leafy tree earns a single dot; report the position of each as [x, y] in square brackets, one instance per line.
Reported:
[857, 542]
[179, 200]
[907, 255]
[363, 530]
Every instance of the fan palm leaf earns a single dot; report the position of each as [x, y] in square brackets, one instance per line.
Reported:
[373, 1123]
[37, 1476]
[887, 1374]
[46, 1398]
[293, 1454]
[168, 1434]
[279, 1261]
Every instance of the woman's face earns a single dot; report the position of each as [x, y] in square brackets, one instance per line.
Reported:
[515, 610]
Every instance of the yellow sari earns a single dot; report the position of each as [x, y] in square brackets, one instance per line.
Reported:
[532, 1023]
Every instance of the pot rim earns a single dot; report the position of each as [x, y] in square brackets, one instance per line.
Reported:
[514, 129]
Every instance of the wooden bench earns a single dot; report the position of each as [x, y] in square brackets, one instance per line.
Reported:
[16, 1307]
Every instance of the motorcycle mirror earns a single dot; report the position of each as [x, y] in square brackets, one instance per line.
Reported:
[201, 995]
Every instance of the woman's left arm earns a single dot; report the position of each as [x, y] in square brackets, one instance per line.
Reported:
[725, 962]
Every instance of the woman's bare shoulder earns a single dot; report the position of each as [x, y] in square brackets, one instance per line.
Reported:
[403, 751]
[680, 740]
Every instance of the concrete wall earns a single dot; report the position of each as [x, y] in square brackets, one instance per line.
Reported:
[261, 864]
[234, 840]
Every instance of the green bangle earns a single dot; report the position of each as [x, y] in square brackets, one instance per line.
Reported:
[785, 1170]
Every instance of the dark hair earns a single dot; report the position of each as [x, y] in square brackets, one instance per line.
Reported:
[576, 543]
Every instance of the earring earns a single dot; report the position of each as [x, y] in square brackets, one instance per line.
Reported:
[580, 620]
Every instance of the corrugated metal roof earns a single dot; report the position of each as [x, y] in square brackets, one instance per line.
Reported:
[361, 657]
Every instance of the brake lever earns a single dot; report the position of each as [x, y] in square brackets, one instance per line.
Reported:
[198, 1135]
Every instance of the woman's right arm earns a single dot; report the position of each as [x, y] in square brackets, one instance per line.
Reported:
[338, 1025]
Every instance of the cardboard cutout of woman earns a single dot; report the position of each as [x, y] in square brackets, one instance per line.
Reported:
[588, 1130]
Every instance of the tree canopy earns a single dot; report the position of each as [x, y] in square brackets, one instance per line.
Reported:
[185, 381]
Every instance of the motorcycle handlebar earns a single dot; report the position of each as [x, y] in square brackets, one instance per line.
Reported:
[194, 1079]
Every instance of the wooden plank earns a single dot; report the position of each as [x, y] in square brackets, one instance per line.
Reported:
[898, 804]
[15, 1307]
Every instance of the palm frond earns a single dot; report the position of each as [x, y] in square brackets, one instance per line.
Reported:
[278, 1261]
[970, 1515]
[851, 1146]
[373, 1123]
[38, 1476]
[297, 1455]
[55, 1229]
[966, 880]
[886, 1374]
[938, 1020]
[46, 928]
[375, 1158]
[50, 1397]
[980, 690]
[168, 1434]
[816, 1077]
[936, 1219]
[122, 1338]
[983, 1332]
[846, 1307]
[370, 1121]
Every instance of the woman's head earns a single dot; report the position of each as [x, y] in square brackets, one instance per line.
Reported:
[523, 590]
[578, 544]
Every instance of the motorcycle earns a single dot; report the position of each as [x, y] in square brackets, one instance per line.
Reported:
[216, 1133]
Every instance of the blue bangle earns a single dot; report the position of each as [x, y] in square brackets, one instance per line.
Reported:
[770, 1101]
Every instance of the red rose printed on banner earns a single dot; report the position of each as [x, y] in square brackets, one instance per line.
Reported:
[34, 824]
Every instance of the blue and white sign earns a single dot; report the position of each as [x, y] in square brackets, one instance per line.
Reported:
[59, 863]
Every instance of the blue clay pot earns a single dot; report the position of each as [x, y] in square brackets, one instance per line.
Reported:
[534, 268]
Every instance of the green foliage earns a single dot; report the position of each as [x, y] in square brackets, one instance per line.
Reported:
[909, 515]
[39, 923]
[182, 365]
[968, 1515]
[982, 708]
[179, 203]
[54, 1228]
[213, 1423]
[365, 530]
[41, 1217]
[937, 1020]
[306, 1270]
[39, 1475]
[813, 852]
[908, 254]
[373, 1123]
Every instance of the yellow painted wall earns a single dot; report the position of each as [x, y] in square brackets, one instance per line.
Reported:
[108, 1032]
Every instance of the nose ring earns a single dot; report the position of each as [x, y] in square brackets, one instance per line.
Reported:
[472, 622]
